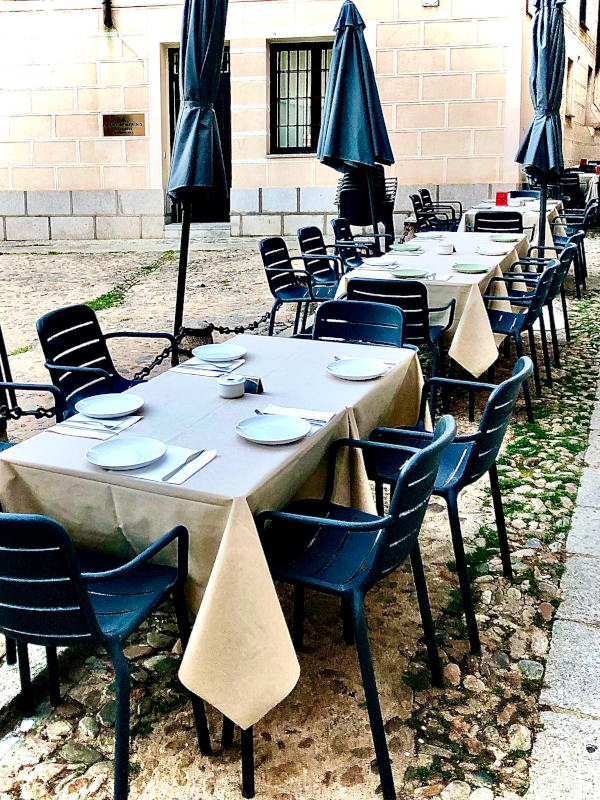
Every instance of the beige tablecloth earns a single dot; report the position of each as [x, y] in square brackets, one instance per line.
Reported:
[240, 657]
[473, 345]
[589, 183]
[529, 214]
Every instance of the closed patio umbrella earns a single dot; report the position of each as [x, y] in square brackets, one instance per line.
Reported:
[540, 152]
[353, 132]
[197, 169]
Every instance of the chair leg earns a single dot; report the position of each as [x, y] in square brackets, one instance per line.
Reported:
[183, 623]
[227, 733]
[248, 763]
[304, 317]
[25, 677]
[507, 347]
[372, 698]
[553, 335]
[563, 300]
[536, 370]
[500, 523]
[122, 681]
[545, 353]
[347, 623]
[298, 624]
[461, 568]
[426, 618]
[379, 503]
[297, 317]
[53, 678]
[526, 392]
[11, 651]
[274, 308]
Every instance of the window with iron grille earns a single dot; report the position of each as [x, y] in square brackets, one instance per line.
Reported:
[582, 13]
[298, 81]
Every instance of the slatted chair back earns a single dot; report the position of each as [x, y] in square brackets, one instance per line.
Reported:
[494, 422]
[426, 198]
[590, 216]
[72, 337]
[498, 221]
[421, 215]
[7, 396]
[411, 496]
[281, 278]
[359, 322]
[42, 597]
[311, 242]
[539, 296]
[571, 189]
[525, 193]
[565, 260]
[342, 232]
[409, 296]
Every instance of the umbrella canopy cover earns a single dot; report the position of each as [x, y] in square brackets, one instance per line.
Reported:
[197, 159]
[353, 130]
[540, 152]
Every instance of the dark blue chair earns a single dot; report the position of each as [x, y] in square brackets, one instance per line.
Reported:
[324, 267]
[352, 249]
[411, 298]
[430, 220]
[359, 323]
[46, 599]
[576, 222]
[290, 284]
[341, 551]
[450, 208]
[516, 323]
[77, 355]
[500, 222]
[519, 193]
[463, 462]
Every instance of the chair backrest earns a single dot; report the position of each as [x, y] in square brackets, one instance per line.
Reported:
[525, 193]
[411, 496]
[311, 242]
[418, 210]
[278, 266]
[7, 396]
[42, 597]
[494, 221]
[72, 337]
[342, 232]
[590, 216]
[359, 322]
[540, 294]
[565, 259]
[409, 296]
[571, 189]
[426, 198]
[494, 421]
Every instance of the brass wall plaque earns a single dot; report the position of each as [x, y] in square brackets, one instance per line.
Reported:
[124, 124]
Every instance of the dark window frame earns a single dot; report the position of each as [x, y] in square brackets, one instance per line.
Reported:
[583, 13]
[316, 49]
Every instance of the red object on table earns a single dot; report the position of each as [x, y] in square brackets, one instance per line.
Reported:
[583, 162]
[597, 169]
[501, 198]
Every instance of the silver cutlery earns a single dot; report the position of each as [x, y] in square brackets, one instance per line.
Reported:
[318, 422]
[93, 423]
[189, 459]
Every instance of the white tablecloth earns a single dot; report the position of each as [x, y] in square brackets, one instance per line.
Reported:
[529, 212]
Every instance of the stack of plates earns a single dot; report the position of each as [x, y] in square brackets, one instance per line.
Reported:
[429, 235]
[357, 369]
[410, 272]
[506, 237]
[410, 248]
[217, 353]
[470, 269]
[490, 250]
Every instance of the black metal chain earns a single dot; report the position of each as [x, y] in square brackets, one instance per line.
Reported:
[16, 412]
[208, 329]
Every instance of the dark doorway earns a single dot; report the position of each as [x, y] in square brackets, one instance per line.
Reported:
[217, 212]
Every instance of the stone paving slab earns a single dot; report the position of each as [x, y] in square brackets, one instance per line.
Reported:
[566, 759]
[592, 455]
[589, 490]
[581, 589]
[573, 669]
[584, 536]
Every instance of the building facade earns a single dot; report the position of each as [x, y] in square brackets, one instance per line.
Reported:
[87, 113]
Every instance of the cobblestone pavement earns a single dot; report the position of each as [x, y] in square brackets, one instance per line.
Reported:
[471, 739]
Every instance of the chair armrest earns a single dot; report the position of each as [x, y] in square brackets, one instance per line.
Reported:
[539, 247]
[518, 301]
[337, 260]
[90, 370]
[38, 387]
[149, 335]
[423, 435]
[178, 533]
[298, 272]
[451, 306]
[324, 522]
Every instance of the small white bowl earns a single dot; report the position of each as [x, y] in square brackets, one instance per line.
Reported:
[231, 386]
[444, 248]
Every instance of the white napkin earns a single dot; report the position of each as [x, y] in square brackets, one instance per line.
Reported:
[174, 457]
[82, 433]
[92, 428]
[196, 366]
[317, 419]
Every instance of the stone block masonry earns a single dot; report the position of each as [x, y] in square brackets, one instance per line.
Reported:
[102, 214]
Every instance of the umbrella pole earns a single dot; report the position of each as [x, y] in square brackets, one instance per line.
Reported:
[542, 220]
[373, 212]
[183, 262]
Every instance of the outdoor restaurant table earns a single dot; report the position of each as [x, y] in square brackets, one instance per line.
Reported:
[473, 344]
[589, 184]
[240, 657]
[530, 212]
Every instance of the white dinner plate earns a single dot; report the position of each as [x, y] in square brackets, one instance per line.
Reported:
[380, 261]
[428, 235]
[110, 406]
[273, 429]
[131, 452]
[220, 352]
[357, 369]
[493, 251]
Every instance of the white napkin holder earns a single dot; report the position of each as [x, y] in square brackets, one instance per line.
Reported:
[231, 386]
